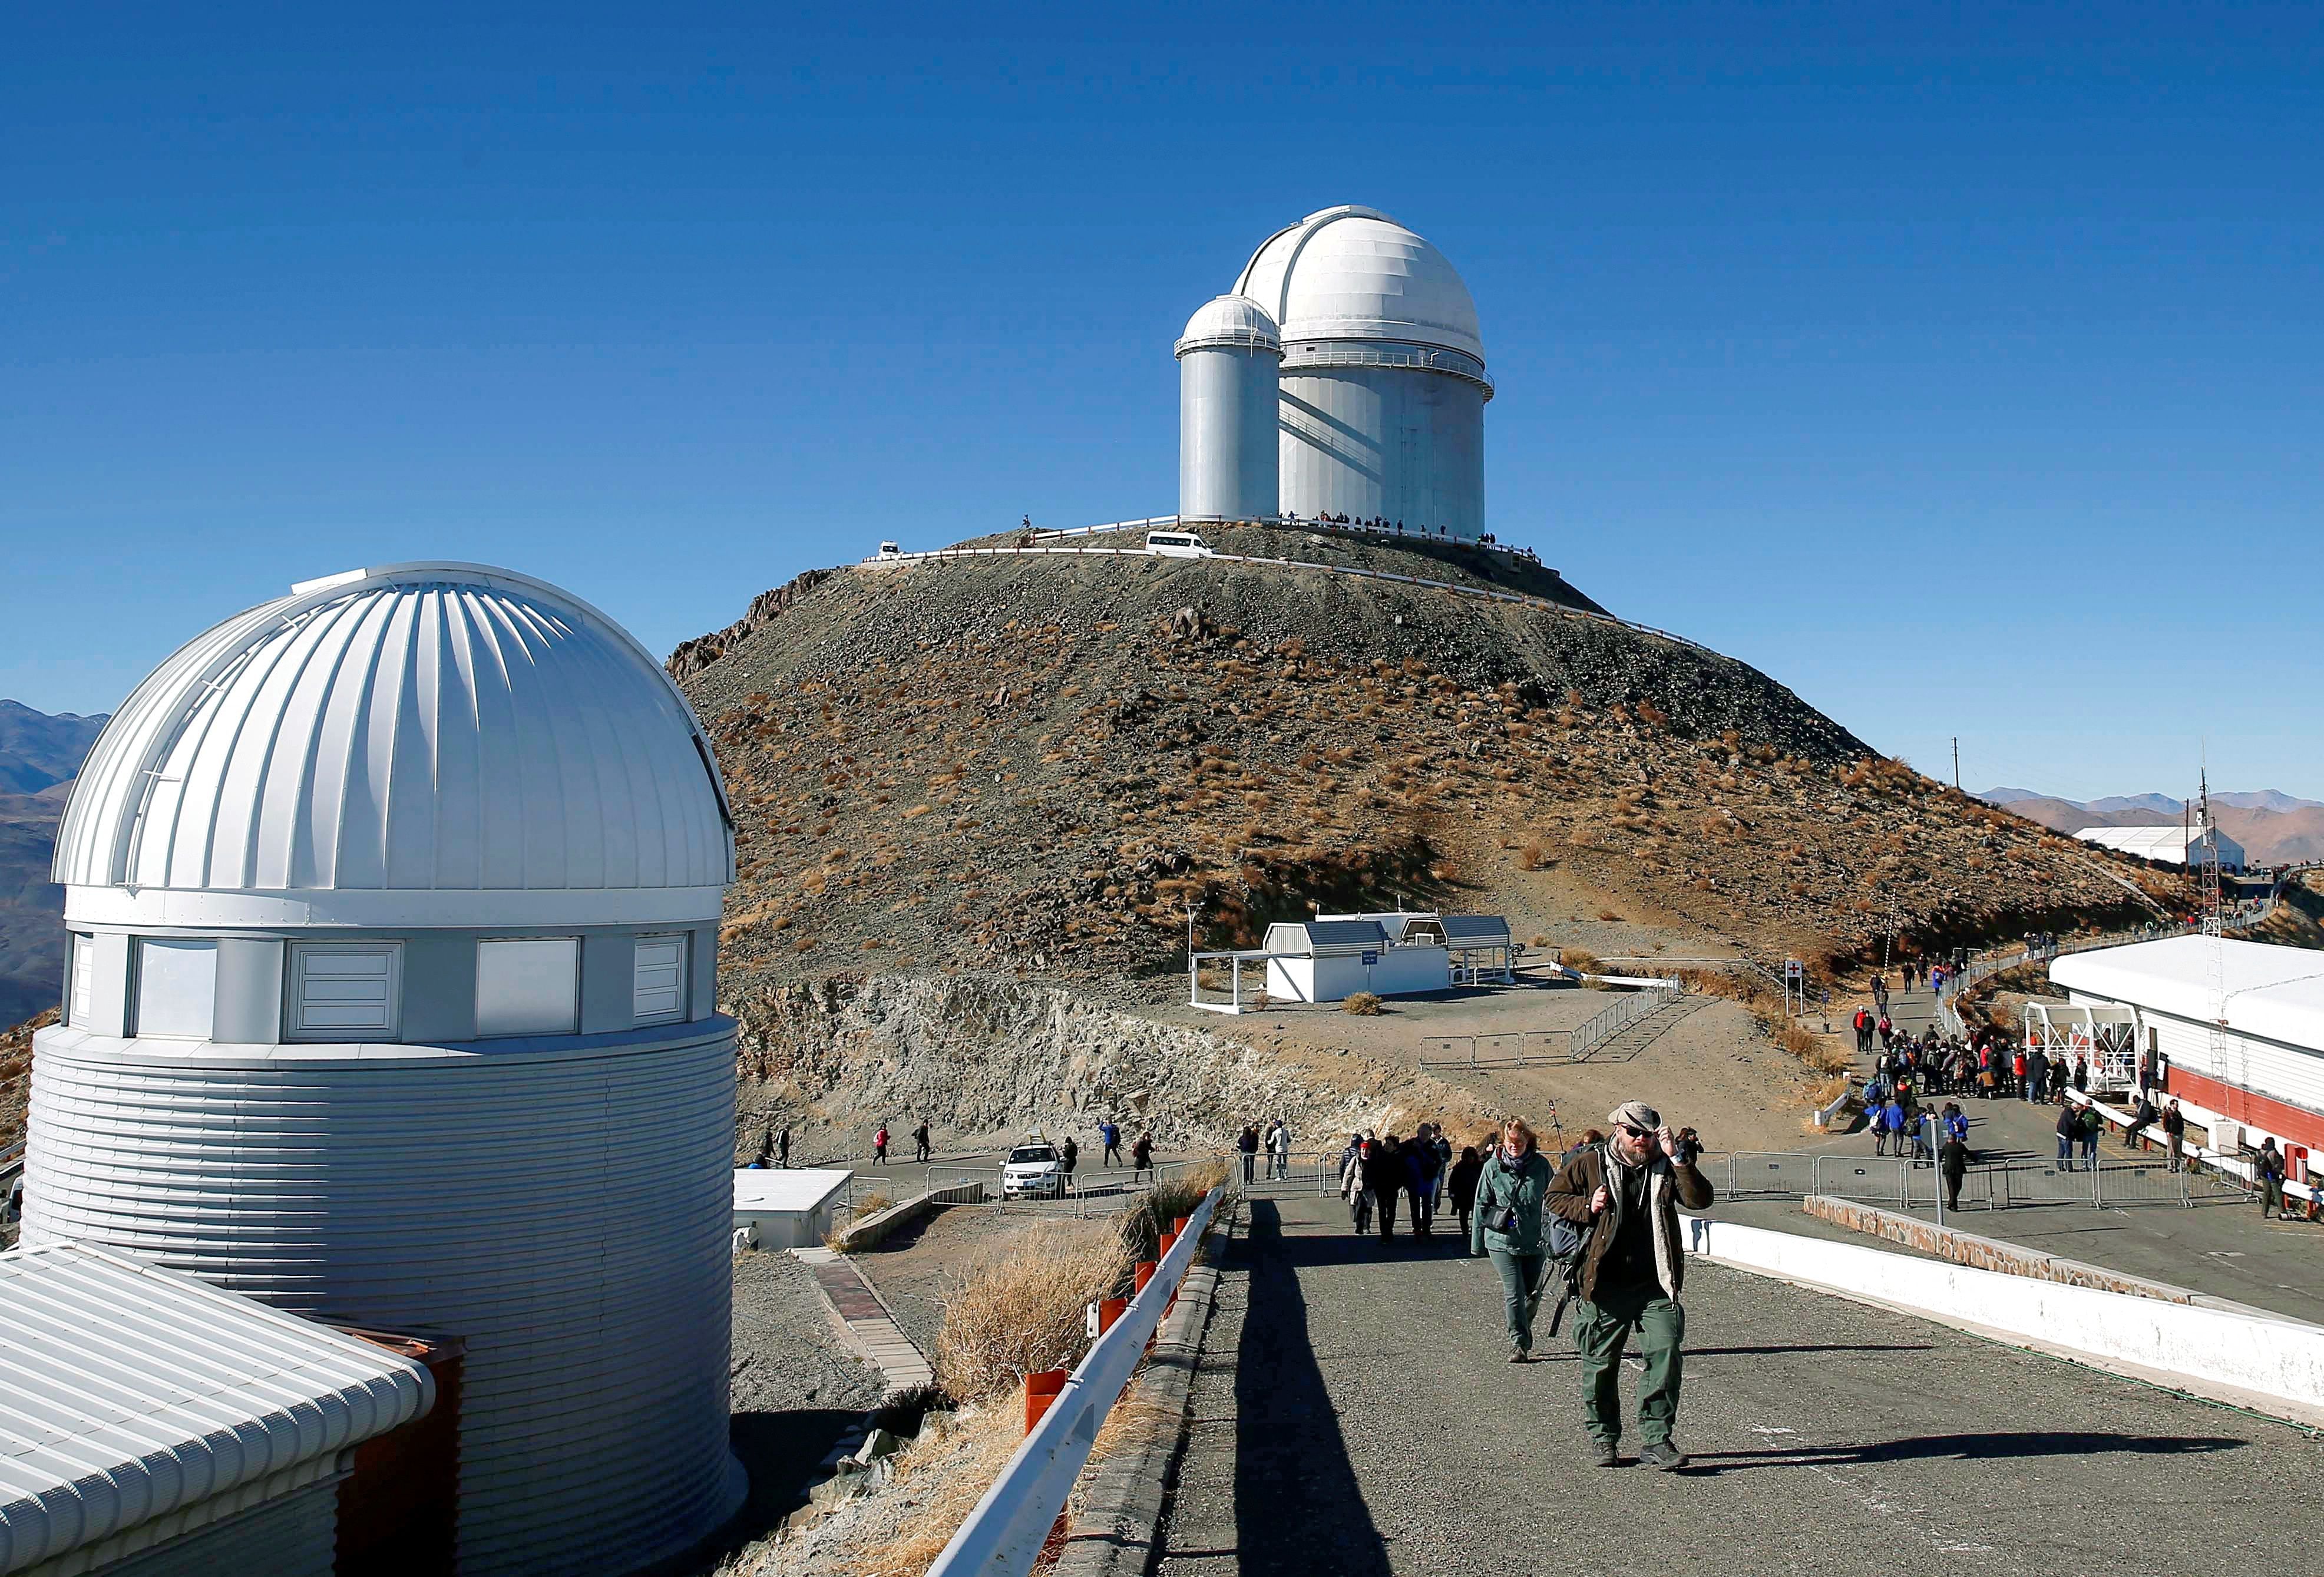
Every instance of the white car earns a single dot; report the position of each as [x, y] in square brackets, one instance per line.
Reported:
[1176, 545]
[889, 550]
[1034, 1167]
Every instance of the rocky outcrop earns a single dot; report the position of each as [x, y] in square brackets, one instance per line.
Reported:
[693, 656]
[983, 1057]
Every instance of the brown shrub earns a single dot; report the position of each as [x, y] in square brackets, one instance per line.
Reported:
[1530, 857]
[1363, 1004]
[1581, 959]
[1023, 1314]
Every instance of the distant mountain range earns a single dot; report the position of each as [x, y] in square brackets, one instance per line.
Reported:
[39, 756]
[2271, 826]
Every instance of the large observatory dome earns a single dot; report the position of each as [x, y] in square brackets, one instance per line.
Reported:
[423, 744]
[1352, 272]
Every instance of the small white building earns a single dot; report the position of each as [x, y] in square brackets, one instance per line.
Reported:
[151, 1422]
[2175, 845]
[1329, 960]
[789, 1208]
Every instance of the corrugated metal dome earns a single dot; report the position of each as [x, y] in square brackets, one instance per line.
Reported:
[1352, 272]
[1237, 322]
[425, 744]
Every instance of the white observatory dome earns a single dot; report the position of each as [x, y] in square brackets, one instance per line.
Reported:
[423, 744]
[1352, 272]
[1232, 322]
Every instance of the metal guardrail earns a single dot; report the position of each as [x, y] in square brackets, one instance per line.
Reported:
[1518, 1048]
[1003, 1536]
[1539, 604]
[1905, 1181]
[1100, 1193]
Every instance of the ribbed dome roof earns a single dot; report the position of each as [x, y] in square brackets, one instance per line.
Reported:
[1230, 320]
[420, 744]
[1355, 273]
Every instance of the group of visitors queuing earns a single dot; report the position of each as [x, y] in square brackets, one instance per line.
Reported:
[774, 1149]
[1378, 1170]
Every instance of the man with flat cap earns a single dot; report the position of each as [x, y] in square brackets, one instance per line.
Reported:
[1624, 1195]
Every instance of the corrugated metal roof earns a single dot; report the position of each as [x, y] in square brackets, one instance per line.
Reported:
[436, 729]
[1475, 930]
[1317, 936]
[2273, 993]
[127, 1392]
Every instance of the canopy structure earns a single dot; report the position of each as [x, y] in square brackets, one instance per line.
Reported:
[140, 1407]
[2106, 1034]
[2172, 845]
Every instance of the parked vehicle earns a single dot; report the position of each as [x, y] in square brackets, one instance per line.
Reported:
[1176, 545]
[1034, 1168]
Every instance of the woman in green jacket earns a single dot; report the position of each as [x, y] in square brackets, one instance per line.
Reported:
[1507, 1226]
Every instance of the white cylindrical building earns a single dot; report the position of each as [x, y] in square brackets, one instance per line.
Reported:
[1383, 384]
[1228, 454]
[393, 907]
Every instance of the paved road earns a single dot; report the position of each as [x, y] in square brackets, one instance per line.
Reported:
[1354, 1413]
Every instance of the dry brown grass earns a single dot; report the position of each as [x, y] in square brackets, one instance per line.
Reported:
[1023, 1312]
[1362, 1004]
[945, 1478]
[1580, 958]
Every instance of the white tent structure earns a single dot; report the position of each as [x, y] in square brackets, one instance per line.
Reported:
[393, 910]
[2165, 845]
[2262, 1069]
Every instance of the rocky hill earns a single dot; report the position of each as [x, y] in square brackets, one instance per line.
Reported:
[1038, 765]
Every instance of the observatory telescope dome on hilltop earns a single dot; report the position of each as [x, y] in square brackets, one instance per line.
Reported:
[393, 910]
[1369, 340]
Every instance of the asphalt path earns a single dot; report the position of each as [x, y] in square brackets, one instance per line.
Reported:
[1354, 1412]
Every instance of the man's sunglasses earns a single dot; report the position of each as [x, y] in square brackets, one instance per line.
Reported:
[1638, 1132]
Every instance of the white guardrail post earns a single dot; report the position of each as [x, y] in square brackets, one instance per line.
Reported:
[1002, 1537]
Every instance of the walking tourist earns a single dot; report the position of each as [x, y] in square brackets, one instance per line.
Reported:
[1863, 1025]
[1278, 1151]
[920, 1141]
[1952, 1165]
[1141, 1154]
[1460, 1185]
[1420, 1165]
[1384, 1177]
[1352, 1186]
[1506, 1229]
[1109, 1131]
[2037, 1077]
[1069, 1154]
[1624, 1194]
[2174, 1130]
[880, 1145]
[2067, 1127]
[2267, 1171]
[783, 1148]
[1247, 1143]
[2092, 1125]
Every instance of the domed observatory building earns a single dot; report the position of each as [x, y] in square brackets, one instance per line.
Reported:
[1383, 373]
[393, 907]
[1228, 460]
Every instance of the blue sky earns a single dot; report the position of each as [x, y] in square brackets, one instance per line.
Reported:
[1958, 367]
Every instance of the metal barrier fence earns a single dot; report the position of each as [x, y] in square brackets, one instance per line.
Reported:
[1003, 1535]
[1100, 1193]
[1545, 1047]
[1906, 1182]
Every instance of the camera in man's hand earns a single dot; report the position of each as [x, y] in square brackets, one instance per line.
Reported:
[1685, 1145]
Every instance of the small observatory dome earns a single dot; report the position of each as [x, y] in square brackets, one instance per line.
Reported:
[393, 910]
[1383, 382]
[1228, 457]
[413, 744]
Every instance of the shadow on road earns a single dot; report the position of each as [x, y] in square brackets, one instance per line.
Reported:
[1306, 1252]
[1297, 1506]
[1998, 1445]
[1811, 1347]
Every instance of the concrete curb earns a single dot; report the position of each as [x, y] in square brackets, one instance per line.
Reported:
[1116, 1532]
[862, 1235]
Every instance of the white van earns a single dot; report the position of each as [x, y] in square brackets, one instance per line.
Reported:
[1176, 545]
[889, 550]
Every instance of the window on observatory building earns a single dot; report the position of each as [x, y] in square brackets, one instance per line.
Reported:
[177, 988]
[84, 971]
[344, 990]
[528, 987]
[658, 980]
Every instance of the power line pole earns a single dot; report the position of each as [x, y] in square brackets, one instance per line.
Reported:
[1957, 788]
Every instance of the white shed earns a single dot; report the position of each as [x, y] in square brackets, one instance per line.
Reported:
[1328, 960]
[146, 1416]
[790, 1208]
